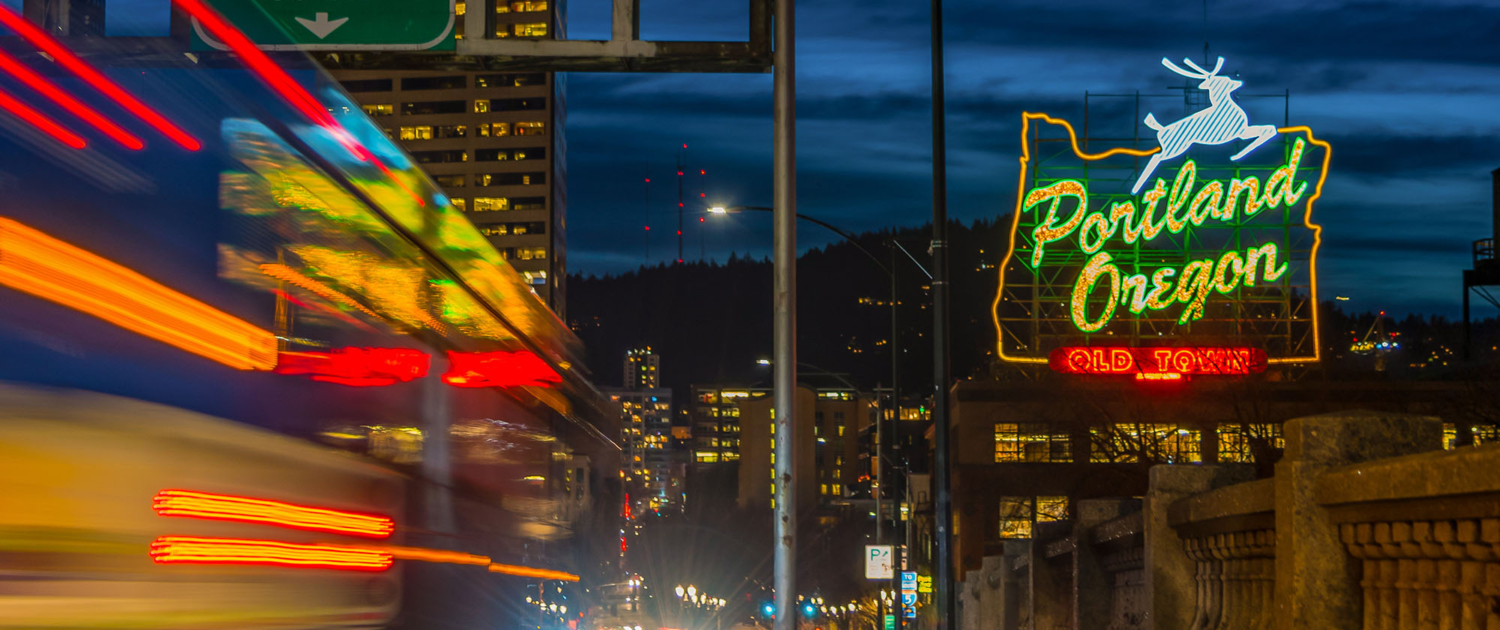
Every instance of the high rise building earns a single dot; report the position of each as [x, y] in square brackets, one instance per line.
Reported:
[492, 140]
[715, 422]
[642, 368]
[652, 475]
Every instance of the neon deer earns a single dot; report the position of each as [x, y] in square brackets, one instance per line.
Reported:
[1221, 123]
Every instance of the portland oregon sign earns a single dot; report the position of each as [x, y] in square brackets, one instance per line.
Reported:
[1166, 250]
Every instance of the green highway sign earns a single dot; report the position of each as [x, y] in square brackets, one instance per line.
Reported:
[890, 622]
[336, 24]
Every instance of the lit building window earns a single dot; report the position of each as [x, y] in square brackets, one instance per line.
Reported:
[379, 110]
[510, 179]
[525, 6]
[481, 106]
[534, 29]
[838, 489]
[429, 132]
[1239, 443]
[494, 129]
[1018, 515]
[449, 181]
[491, 204]
[707, 457]
[461, 204]
[530, 128]
[1030, 442]
[1145, 442]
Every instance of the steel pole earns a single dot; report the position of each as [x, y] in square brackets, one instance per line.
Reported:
[785, 324]
[894, 434]
[943, 581]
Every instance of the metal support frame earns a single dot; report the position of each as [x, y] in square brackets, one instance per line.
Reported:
[623, 52]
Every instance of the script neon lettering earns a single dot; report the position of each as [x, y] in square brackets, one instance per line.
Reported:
[1188, 202]
[1048, 230]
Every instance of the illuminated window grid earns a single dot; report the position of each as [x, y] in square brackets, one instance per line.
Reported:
[1035, 316]
[1031, 442]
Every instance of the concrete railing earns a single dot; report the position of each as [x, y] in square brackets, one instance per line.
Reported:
[1366, 523]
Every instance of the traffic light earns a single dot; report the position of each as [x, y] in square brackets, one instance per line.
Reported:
[809, 610]
[768, 609]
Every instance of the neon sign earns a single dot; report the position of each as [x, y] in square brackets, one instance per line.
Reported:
[1213, 246]
[1190, 284]
[1158, 363]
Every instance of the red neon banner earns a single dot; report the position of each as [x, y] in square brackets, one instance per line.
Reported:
[1158, 364]
[224, 507]
[499, 369]
[357, 367]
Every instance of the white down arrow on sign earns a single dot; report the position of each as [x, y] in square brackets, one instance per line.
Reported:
[322, 26]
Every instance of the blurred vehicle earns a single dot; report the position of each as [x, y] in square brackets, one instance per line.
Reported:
[233, 312]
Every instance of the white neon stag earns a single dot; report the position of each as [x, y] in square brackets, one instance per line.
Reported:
[1221, 123]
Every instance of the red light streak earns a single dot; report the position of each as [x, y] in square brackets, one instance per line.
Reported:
[358, 367]
[261, 64]
[499, 369]
[40, 121]
[1164, 363]
[223, 507]
[198, 550]
[285, 85]
[68, 60]
[545, 574]
[51, 91]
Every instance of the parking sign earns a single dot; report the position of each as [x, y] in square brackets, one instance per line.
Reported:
[878, 562]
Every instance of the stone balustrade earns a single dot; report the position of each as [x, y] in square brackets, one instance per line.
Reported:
[1366, 523]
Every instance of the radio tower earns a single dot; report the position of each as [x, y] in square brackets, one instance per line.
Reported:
[680, 156]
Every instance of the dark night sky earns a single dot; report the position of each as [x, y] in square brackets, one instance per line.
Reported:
[1406, 92]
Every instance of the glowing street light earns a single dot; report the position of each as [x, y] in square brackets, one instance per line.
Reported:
[693, 592]
[718, 210]
[679, 591]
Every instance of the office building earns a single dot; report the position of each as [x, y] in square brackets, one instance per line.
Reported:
[651, 473]
[642, 368]
[492, 140]
[715, 421]
[828, 453]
